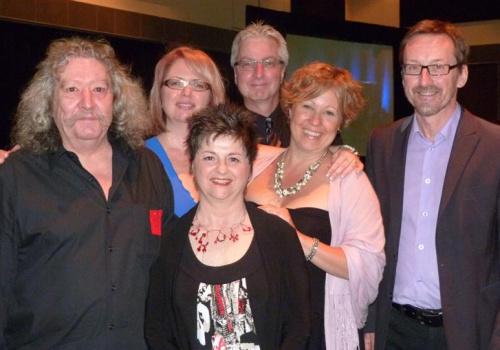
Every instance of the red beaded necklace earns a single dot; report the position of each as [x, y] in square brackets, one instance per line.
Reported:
[201, 234]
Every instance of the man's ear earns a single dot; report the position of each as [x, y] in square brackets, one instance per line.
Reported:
[464, 75]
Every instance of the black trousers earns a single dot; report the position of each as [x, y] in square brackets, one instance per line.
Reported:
[406, 333]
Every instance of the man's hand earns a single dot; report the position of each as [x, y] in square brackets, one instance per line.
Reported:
[344, 162]
[5, 154]
[369, 341]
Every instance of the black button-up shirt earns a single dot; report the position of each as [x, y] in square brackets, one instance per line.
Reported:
[74, 267]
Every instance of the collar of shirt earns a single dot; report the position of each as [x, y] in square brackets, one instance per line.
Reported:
[447, 132]
[118, 145]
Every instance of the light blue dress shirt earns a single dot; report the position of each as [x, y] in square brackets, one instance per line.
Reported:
[417, 277]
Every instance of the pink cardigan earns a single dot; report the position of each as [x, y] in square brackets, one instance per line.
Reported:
[357, 228]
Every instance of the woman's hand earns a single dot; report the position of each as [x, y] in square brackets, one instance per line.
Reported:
[278, 211]
[5, 154]
[344, 162]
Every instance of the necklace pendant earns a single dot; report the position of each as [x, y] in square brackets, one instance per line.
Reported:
[221, 237]
[202, 243]
[202, 247]
[246, 228]
[194, 233]
[233, 237]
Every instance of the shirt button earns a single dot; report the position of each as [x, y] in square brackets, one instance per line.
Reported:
[113, 288]
[427, 181]
[420, 247]
[108, 210]
[110, 249]
[425, 213]
[419, 279]
[111, 327]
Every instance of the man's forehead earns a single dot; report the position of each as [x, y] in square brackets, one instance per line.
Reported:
[430, 44]
[259, 43]
[79, 68]
[430, 40]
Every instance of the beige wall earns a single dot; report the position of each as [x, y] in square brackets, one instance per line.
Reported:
[225, 14]
[143, 18]
[230, 14]
[481, 33]
[381, 12]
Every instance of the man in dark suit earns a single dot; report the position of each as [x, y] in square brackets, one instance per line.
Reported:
[437, 174]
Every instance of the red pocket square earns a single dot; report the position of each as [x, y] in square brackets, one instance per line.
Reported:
[155, 221]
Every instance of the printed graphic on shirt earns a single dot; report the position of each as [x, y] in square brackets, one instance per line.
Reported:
[224, 318]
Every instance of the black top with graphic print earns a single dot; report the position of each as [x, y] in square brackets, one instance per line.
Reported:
[217, 302]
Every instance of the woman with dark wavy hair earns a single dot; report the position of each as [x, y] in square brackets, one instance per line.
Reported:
[230, 275]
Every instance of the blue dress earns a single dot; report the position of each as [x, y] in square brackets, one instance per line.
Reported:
[183, 201]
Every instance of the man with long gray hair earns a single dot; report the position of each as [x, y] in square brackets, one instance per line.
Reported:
[83, 206]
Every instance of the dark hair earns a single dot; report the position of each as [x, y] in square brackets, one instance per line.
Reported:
[222, 120]
[432, 26]
[317, 78]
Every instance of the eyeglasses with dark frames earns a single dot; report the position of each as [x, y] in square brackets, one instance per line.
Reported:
[250, 65]
[179, 84]
[432, 69]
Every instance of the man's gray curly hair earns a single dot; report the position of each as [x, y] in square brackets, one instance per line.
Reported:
[34, 127]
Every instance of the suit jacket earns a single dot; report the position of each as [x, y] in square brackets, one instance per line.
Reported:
[467, 241]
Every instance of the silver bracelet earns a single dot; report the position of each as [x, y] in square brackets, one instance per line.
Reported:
[313, 250]
[350, 148]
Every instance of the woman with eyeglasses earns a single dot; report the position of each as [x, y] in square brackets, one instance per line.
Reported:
[186, 81]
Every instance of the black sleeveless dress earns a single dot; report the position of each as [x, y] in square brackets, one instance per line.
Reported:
[315, 222]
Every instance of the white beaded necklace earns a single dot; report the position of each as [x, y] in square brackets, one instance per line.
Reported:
[278, 176]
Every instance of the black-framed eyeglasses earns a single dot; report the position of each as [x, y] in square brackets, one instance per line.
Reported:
[249, 65]
[179, 84]
[433, 69]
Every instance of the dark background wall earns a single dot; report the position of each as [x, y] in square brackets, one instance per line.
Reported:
[455, 11]
[140, 40]
[24, 44]
[324, 19]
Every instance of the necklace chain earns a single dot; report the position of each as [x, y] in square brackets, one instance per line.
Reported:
[201, 234]
[278, 176]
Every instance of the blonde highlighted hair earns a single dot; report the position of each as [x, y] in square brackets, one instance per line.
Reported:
[197, 61]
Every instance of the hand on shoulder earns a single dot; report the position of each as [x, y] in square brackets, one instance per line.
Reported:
[4, 154]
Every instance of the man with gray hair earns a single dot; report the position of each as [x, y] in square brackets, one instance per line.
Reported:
[83, 206]
[259, 56]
